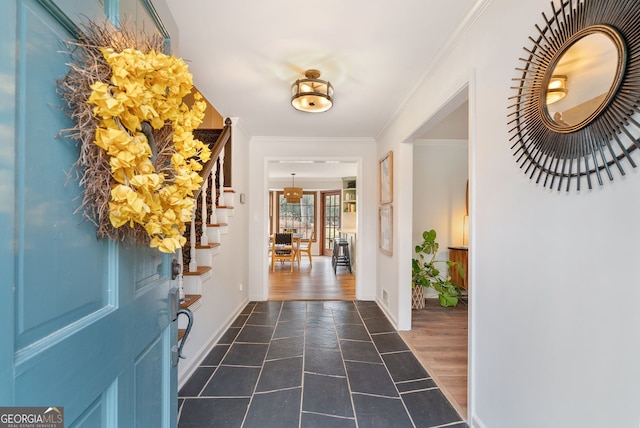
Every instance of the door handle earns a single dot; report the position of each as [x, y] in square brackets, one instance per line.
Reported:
[176, 350]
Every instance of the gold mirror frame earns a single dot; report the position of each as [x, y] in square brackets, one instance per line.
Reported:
[557, 155]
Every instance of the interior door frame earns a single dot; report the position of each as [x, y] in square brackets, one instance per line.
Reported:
[466, 92]
[322, 235]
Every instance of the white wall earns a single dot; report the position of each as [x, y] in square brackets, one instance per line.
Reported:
[261, 151]
[440, 173]
[554, 339]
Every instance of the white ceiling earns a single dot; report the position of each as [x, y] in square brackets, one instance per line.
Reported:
[244, 56]
[312, 169]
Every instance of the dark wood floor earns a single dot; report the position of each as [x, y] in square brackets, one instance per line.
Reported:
[438, 336]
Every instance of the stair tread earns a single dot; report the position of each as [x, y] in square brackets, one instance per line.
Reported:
[199, 271]
[210, 245]
[190, 299]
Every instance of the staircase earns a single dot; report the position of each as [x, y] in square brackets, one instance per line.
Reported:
[210, 220]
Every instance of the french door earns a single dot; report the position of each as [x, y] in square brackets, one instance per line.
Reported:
[330, 221]
[86, 324]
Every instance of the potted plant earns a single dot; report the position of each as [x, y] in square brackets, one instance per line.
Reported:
[417, 295]
[425, 271]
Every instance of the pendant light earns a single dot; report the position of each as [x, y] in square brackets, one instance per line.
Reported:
[293, 194]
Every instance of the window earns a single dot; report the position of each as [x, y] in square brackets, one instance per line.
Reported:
[298, 218]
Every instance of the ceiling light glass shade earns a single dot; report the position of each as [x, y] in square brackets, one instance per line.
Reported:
[312, 94]
[557, 88]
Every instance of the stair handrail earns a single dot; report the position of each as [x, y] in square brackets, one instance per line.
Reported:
[218, 147]
[216, 150]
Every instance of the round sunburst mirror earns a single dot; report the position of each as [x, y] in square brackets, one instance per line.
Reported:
[575, 112]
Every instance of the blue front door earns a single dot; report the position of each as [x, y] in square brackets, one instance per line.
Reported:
[85, 323]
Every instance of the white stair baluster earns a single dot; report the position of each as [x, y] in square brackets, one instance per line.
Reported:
[214, 218]
[193, 264]
[221, 180]
[204, 239]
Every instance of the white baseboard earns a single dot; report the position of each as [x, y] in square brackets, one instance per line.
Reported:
[475, 422]
[390, 317]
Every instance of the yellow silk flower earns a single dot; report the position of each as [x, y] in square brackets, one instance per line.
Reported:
[149, 88]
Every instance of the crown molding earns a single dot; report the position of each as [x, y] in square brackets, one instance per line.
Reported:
[472, 16]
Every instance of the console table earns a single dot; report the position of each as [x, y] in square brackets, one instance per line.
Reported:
[460, 255]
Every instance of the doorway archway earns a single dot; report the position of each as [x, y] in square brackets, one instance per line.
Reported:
[442, 168]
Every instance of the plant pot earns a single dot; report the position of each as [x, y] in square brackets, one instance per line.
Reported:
[417, 297]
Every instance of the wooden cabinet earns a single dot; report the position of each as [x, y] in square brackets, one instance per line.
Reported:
[460, 255]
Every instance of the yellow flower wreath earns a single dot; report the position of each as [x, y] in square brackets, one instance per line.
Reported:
[149, 88]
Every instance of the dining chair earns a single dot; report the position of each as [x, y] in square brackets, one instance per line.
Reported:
[283, 250]
[305, 247]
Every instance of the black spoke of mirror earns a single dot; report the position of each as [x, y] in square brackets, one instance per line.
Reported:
[576, 109]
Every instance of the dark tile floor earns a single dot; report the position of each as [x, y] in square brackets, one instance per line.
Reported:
[313, 364]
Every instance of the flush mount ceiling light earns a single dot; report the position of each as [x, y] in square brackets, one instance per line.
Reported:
[292, 194]
[557, 88]
[312, 94]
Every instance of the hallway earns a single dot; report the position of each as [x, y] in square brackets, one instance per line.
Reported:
[317, 282]
[313, 364]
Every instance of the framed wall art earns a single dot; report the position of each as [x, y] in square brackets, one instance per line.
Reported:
[385, 229]
[385, 174]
